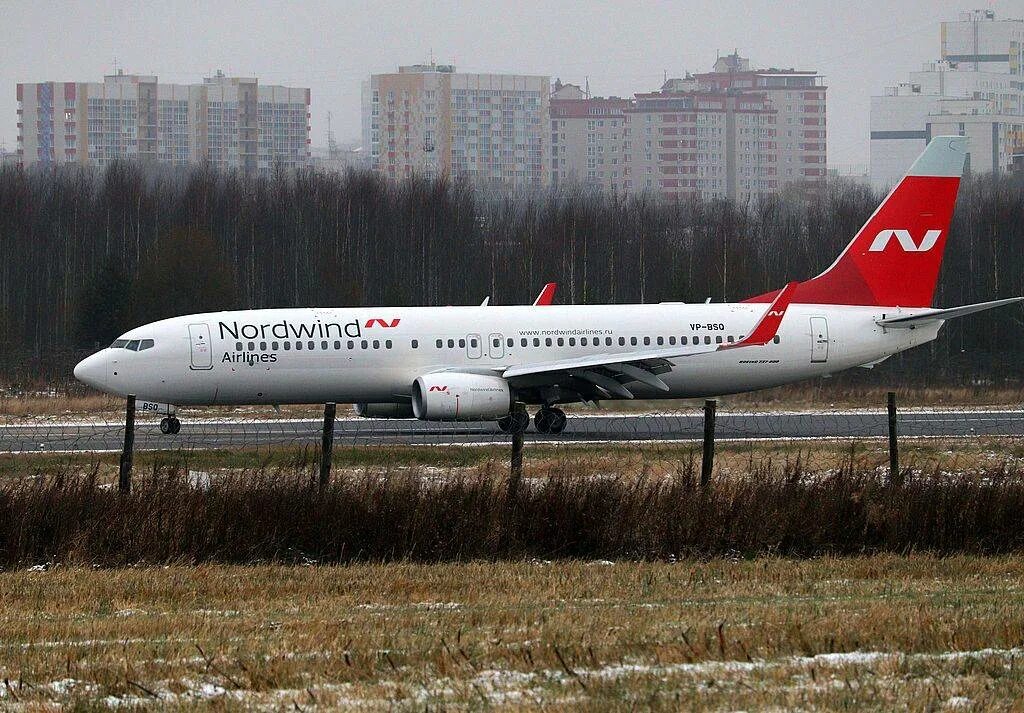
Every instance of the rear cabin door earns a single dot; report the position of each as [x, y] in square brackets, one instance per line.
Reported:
[474, 349]
[819, 340]
[202, 352]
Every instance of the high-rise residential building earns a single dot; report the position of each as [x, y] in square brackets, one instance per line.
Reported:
[228, 122]
[735, 132]
[429, 119]
[587, 138]
[975, 89]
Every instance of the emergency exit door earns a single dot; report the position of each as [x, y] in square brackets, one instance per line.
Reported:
[819, 340]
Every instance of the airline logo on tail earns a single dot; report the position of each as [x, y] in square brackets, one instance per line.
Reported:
[906, 241]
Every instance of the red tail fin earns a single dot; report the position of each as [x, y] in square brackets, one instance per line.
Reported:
[894, 259]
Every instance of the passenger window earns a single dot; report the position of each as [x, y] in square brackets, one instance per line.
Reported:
[323, 345]
[351, 344]
[536, 342]
[707, 340]
[387, 344]
[312, 345]
[647, 341]
[583, 341]
[496, 343]
[572, 341]
[451, 343]
[263, 346]
[238, 346]
[439, 344]
[731, 340]
[472, 343]
[632, 341]
[510, 343]
[376, 344]
[622, 341]
[462, 344]
[415, 344]
[661, 341]
[547, 341]
[287, 346]
[337, 346]
[718, 339]
[273, 346]
[363, 344]
[561, 342]
[607, 341]
[522, 342]
[777, 339]
[252, 346]
[298, 346]
[683, 340]
[671, 341]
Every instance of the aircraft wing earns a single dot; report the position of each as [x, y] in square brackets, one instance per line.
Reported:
[940, 315]
[607, 374]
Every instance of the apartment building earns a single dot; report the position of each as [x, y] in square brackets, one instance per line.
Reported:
[975, 89]
[429, 119]
[229, 122]
[587, 138]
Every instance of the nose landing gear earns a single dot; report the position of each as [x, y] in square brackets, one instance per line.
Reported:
[169, 425]
[549, 420]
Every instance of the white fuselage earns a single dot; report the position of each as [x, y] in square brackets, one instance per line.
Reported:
[351, 355]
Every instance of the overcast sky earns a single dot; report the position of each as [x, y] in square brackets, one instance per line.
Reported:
[623, 47]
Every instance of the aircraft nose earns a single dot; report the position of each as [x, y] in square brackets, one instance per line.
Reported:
[90, 371]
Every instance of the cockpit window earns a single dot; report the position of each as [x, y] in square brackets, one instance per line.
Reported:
[145, 344]
[136, 345]
[133, 345]
[119, 344]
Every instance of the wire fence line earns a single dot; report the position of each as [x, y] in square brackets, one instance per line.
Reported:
[994, 430]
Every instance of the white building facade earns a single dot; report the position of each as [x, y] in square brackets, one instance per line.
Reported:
[976, 90]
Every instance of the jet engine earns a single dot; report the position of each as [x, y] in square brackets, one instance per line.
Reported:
[452, 396]
[384, 410]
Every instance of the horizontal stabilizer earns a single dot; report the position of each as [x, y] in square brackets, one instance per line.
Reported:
[940, 315]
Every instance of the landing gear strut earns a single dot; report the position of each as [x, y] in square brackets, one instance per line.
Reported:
[515, 422]
[169, 425]
[549, 420]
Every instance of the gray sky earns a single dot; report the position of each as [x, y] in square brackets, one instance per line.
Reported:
[623, 47]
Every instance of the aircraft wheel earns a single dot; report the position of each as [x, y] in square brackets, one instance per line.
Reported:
[505, 423]
[520, 422]
[169, 425]
[558, 420]
[542, 421]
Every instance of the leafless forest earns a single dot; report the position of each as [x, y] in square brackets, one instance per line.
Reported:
[87, 254]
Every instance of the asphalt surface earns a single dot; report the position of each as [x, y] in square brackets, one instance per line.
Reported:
[199, 433]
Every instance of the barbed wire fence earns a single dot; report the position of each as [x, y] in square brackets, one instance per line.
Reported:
[593, 441]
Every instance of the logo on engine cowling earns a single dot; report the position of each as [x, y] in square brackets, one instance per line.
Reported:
[438, 388]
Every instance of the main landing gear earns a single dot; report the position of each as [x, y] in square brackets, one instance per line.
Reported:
[549, 420]
[169, 425]
[515, 422]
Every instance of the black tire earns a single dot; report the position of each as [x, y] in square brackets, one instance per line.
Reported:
[175, 426]
[166, 426]
[542, 421]
[558, 420]
[520, 422]
[506, 423]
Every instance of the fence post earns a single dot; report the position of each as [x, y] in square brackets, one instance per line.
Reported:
[327, 443]
[707, 462]
[895, 477]
[515, 471]
[124, 480]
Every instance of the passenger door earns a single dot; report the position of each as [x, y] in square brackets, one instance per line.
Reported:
[819, 340]
[202, 352]
[474, 349]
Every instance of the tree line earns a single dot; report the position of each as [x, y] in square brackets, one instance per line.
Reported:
[88, 253]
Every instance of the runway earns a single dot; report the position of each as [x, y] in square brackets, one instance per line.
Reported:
[198, 433]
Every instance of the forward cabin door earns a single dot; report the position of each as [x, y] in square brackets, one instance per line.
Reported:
[202, 352]
[819, 340]
[474, 349]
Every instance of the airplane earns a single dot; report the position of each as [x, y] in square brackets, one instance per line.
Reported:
[488, 363]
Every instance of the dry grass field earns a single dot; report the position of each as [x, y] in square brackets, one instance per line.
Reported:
[881, 633]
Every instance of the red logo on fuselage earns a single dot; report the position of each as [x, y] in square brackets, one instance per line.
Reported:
[386, 324]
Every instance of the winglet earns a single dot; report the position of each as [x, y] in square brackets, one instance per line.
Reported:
[546, 296]
[768, 326]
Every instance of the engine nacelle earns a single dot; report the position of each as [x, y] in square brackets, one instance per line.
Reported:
[451, 396]
[384, 410]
